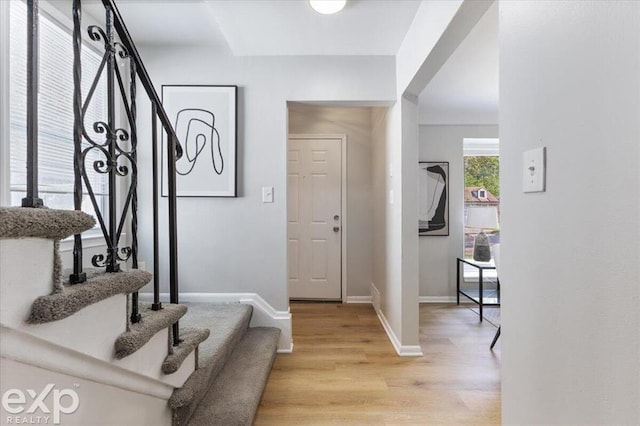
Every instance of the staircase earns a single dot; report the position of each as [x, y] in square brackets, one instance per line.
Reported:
[77, 347]
[216, 374]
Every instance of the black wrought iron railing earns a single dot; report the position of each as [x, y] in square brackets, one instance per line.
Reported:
[33, 58]
[109, 149]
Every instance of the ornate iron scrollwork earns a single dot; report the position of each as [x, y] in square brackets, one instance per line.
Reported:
[110, 149]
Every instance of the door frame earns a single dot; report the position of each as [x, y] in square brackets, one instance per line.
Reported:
[343, 202]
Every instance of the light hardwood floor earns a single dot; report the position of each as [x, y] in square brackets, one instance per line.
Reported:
[344, 370]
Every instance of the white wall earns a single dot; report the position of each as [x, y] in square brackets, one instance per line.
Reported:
[98, 404]
[438, 254]
[394, 285]
[382, 185]
[430, 22]
[409, 222]
[570, 81]
[239, 245]
[395, 210]
[437, 29]
[356, 124]
[393, 279]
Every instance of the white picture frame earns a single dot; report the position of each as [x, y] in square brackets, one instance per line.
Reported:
[205, 121]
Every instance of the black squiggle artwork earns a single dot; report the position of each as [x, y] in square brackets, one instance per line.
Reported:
[437, 211]
[195, 128]
[433, 203]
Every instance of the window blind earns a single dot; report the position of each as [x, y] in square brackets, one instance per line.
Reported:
[478, 147]
[55, 115]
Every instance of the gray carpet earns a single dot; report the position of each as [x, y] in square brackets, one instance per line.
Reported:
[222, 319]
[71, 299]
[190, 339]
[235, 363]
[19, 222]
[228, 323]
[151, 323]
[234, 397]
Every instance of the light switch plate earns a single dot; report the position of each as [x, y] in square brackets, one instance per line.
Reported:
[534, 170]
[267, 194]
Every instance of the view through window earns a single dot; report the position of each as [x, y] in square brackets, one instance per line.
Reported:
[481, 185]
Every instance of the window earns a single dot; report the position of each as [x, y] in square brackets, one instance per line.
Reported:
[482, 184]
[55, 118]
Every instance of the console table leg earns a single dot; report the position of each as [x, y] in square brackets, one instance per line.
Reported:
[495, 338]
[458, 281]
[481, 292]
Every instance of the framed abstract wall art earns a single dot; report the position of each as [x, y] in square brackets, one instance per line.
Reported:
[205, 121]
[433, 198]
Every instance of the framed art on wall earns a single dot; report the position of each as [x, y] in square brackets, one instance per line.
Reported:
[205, 122]
[433, 198]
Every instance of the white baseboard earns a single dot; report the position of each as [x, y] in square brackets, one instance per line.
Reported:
[264, 315]
[402, 350]
[359, 299]
[375, 297]
[437, 299]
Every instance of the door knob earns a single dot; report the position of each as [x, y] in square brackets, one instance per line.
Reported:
[336, 228]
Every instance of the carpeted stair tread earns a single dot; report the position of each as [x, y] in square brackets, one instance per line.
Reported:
[21, 222]
[234, 396]
[228, 323]
[151, 323]
[190, 339]
[71, 299]
[223, 319]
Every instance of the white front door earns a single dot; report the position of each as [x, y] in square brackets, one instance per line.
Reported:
[314, 193]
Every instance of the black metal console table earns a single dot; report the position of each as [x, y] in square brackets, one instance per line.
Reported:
[477, 296]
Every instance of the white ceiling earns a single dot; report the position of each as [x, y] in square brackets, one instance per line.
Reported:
[465, 90]
[286, 27]
[274, 27]
[166, 22]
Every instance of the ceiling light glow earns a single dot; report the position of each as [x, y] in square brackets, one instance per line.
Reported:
[327, 7]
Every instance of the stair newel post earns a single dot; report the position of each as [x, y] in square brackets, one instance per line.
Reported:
[173, 230]
[112, 249]
[33, 63]
[135, 314]
[78, 276]
[156, 306]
